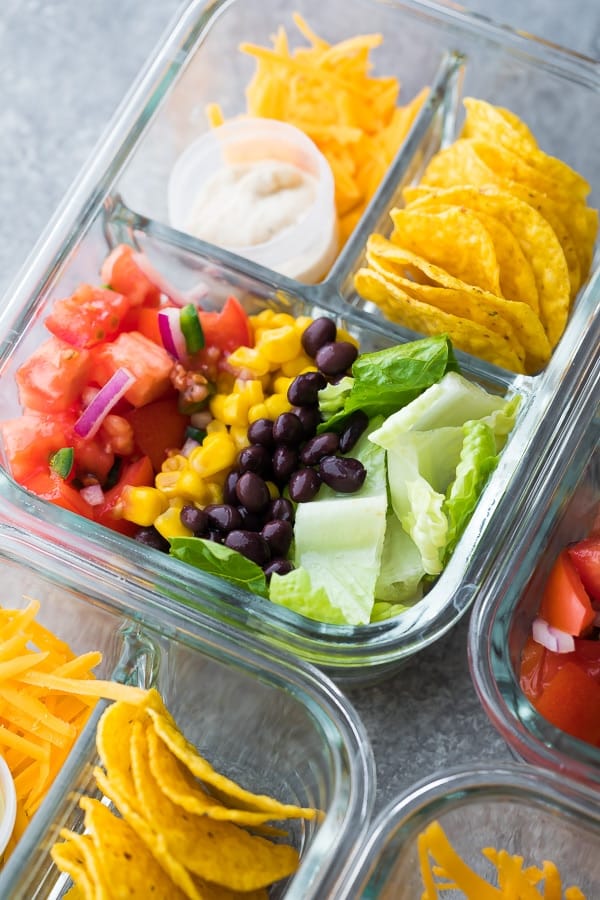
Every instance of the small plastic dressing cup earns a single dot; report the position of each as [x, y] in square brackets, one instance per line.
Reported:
[8, 804]
[306, 249]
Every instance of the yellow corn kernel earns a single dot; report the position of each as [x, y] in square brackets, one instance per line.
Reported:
[174, 463]
[282, 320]
[239, 436]
[235, 409]
[281, 384]
[262, 319]
[302, 323]
[142, 505]
[300, 363]
[225, 382]
[169, 523]
[216, 426]
[273, 490]
[217, 406]
[249, 358]
[214, 492]
[343, 335]
[279, 344]
[167, 482]
[216, 452]
[191, 486]
[258, 411]
[277, 404]
[251, 388]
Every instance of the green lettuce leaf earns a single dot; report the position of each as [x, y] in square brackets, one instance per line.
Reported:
[216, 559]
[296, 592]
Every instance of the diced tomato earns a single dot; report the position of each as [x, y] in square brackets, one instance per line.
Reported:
[585, 556]
[88, 317]
[530, 675]
[227, 329]
[145, 320]
[92, 457]
[136, 473]
[122, 273]
[55, 489]
[571, 701]
[30, 440]
[53, 377]
[158, 427]
[565, 602]
[150, 364]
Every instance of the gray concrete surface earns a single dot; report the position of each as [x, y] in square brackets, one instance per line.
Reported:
[64, 66]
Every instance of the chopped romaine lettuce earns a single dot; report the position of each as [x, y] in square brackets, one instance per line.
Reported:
[216, 559]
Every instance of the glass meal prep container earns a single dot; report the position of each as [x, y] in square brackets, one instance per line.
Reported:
[516, 808]
[122, 197]
[263, 719]
[562, 509]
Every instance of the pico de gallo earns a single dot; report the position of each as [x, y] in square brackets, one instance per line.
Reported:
[560, 663]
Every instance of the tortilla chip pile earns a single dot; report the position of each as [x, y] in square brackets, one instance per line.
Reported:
[449, 872]
[46, 696]
[491, 247]
[182, 828]
[326, 91]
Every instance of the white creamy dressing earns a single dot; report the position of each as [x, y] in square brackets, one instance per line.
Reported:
[251, 203]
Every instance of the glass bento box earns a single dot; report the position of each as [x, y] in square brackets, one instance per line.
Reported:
[122, 198]
[532, 816]
[261, 719]
[513, 664]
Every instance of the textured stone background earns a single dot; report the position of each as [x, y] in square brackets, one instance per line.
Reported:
[64, 67]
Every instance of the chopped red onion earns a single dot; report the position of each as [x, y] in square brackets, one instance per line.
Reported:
[92, 494]
[201, 419]
[93, 415]
[170, 332]
[189, 445]
[552, 638]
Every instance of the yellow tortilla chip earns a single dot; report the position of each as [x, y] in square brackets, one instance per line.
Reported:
[421, 317]
[220, 784]
[122, 857]
[72, 856]
[453, 239]
[218, 852]
[512, 321]
[176, 782]
[499, 126]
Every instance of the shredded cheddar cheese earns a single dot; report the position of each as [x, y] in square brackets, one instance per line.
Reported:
[450, 872]
[327, 91]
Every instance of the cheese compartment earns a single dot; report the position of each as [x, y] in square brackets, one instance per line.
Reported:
[264, 721]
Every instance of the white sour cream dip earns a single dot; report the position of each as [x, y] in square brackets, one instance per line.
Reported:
[246, 204]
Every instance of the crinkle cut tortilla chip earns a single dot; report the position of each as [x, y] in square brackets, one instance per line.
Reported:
[421, 317]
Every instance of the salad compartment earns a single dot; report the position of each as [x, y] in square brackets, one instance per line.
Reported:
[514, 808]
[269, 723]
[122, 198]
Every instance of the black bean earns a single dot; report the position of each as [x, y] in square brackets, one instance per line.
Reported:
[304, 485]
[252, 492]
[252, 521]
[342, 473]
[316, 448]
[150, 537]
[288, 429]
[250, 544]
[354, 427]
[279, 567]
[229, 494]
[223, 516]
[320, 331]
[304, 389]
[278, 534]
[284, 461]
[216, 536]
[255, 458]
[310, 418]
[195, 519]
[334, 359]
[280, 508]
[261, 432]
